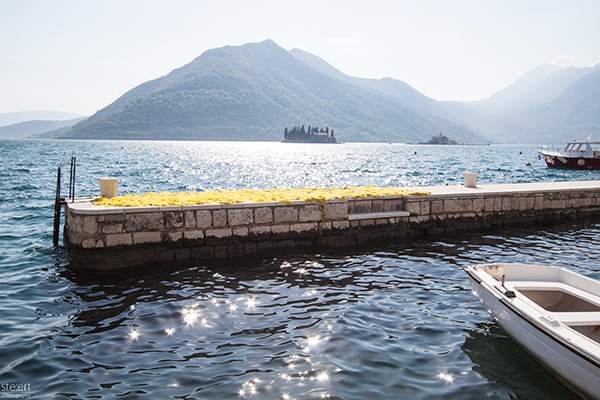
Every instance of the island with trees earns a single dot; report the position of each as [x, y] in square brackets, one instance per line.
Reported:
[311, 135]
[441, 139]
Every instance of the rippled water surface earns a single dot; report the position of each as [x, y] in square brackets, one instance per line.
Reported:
[395, 320]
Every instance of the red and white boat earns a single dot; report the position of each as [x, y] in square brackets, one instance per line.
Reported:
[578, 154]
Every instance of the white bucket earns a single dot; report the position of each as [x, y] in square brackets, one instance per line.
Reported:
[109, 187]
[470, 179]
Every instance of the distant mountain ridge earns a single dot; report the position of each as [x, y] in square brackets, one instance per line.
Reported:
[533, 109]
[36, 128]
[540, 85]
[505, 99]
[568, 117]
[251, 92]
[395, 90]
[12, 118]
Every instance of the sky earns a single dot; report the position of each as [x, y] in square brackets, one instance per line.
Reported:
[79, 56]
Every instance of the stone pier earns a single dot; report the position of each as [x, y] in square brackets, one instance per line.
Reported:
[115, 237]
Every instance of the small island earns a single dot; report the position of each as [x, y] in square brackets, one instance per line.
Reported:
[311, 135]
[440, 139]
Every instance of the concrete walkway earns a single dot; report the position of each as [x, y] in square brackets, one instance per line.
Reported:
[545, 187]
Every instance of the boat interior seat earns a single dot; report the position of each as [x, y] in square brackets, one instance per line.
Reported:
[592, 331]
[583, 318]
[556, 297]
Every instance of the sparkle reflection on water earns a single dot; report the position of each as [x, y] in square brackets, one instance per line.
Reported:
[394, 320]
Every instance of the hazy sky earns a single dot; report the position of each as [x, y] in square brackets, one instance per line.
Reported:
[80, 55]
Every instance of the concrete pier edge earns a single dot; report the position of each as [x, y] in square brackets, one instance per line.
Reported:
[118, 237]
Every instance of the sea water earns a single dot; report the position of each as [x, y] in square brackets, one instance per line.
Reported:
[396, 320]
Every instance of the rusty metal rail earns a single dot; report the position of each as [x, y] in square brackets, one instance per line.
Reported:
[60, 201]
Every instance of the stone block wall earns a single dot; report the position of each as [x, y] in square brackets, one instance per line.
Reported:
[441, 214]
[204, 231]
[108, 238]
[372, 205]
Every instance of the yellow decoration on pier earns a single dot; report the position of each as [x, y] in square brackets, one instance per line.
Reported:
[317, 195]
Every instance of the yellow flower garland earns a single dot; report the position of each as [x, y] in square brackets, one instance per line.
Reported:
[318, 195]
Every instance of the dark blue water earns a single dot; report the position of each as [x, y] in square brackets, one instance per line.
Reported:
[391, 321]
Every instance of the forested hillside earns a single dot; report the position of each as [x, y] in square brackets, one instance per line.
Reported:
[251, 92]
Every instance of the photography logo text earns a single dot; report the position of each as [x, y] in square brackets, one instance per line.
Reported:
[15, 390]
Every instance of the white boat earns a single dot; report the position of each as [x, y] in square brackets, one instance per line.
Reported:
[552, 313]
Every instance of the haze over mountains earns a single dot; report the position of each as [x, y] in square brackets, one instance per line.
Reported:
[547, 105]
[254, 91]
[12, 118]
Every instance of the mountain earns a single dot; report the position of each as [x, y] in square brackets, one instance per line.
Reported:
[254, 91]
[402, 93]
[512, 97]
[23, 116]
[540, 85]
[570, 116]
[395, 90]
[548, 103]
[35, 128]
